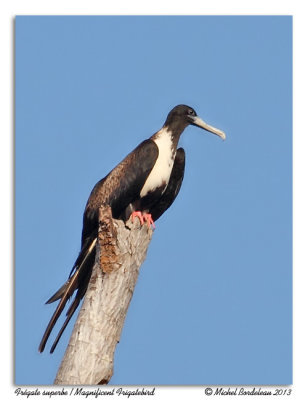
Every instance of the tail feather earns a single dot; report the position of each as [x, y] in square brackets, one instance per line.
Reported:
[73, 307]
[78, 280]
[69, 314]
[83, 253]
[59, 293]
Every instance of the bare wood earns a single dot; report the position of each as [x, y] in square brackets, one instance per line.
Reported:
[121, 250]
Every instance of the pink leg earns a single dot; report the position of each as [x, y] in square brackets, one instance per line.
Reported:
[142, 218]
[139, 215]
[149, 219]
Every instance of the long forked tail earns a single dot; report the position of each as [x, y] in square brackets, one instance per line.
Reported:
[79, 280]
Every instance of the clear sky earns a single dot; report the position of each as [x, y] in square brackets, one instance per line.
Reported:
[213, 302]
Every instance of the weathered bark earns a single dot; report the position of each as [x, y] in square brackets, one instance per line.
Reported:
[121, 249]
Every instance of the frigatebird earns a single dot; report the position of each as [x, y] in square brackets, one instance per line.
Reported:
[143, 185]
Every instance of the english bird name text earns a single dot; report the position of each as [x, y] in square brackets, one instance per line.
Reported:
[120, 391]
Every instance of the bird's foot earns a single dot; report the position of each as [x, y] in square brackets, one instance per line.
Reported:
[138, 215]
[149, 220]
[143, 218]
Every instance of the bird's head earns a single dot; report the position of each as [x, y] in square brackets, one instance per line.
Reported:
[181, 116]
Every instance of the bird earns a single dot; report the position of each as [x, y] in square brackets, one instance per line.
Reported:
[143, 185]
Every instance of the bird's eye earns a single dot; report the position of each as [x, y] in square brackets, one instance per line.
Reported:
[191, 112]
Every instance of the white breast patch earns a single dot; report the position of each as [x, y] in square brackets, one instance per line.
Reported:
[161, 172]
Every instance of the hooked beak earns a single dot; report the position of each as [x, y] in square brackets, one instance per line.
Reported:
[199, 122]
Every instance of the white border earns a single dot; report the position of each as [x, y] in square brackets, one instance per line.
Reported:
[31, 7]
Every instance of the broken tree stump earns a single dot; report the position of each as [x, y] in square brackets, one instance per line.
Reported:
[120, 251]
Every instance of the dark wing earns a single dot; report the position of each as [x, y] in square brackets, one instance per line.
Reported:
[121, 186]
[118, 189]
[173, 187]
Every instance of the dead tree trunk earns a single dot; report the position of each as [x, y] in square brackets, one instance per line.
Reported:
[121, 249]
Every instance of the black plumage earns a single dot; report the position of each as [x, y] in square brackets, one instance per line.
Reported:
[148, 181]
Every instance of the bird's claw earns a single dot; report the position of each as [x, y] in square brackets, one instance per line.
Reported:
[149, 219]
[138, 215]
[143, 218]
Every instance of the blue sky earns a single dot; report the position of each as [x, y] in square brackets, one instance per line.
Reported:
[213, 302]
